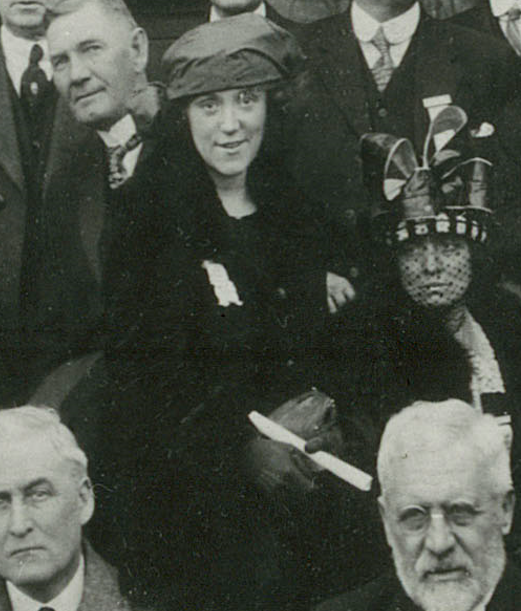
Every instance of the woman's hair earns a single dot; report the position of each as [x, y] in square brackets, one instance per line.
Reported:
[280, 97]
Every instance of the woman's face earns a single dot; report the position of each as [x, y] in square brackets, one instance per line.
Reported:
[227, 129]
[435, 271]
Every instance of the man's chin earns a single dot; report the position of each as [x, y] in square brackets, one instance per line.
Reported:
[464, 595]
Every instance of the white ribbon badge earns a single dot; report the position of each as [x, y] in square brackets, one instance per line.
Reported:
[224, 289]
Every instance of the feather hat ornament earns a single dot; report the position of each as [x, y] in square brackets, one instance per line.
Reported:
[444, 194]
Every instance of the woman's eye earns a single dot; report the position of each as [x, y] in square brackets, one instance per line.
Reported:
[248, 97]
[208, 105]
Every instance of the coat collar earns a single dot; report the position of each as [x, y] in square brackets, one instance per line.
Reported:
[101, 591]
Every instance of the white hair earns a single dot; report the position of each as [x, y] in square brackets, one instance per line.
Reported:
[22, 421]
[425, 426]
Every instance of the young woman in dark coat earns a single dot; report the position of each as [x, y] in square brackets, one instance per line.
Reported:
[213, 322]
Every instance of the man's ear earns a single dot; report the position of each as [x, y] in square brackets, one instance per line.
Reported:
[507, 506]
[86, 495]
[382, 509]
[139, 46]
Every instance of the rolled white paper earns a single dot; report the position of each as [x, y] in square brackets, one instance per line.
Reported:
[357, 478]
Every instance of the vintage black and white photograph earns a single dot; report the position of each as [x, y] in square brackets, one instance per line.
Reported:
[260, 305]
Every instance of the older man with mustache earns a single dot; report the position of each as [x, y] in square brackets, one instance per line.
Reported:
[446, 503]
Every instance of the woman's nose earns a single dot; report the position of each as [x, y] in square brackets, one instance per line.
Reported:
[431, 258]
[229, 119]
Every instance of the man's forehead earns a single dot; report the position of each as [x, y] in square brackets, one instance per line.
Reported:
[88, 22]
[29, 458]
[438, 475]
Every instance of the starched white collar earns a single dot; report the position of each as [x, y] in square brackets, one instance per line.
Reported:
[17, 51]
[260, 10]
[397, 30]
[500, 7]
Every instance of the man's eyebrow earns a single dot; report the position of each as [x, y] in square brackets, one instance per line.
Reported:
[41, 481]
[88, 41]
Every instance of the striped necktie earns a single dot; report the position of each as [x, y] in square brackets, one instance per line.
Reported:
[383, 69]
[117, 172]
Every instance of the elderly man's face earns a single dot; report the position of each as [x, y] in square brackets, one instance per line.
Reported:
[445, 528]
[43, 506]
[97, 59]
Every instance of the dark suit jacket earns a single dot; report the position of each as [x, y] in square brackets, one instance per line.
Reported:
[480, 18]
[479, 73]
[77, 230]
[386, 594]
[19, 228]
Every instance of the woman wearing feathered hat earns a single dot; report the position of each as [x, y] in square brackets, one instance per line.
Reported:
[448, 330]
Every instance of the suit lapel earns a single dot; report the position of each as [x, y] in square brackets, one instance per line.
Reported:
[491, 23]
[10, 158]
[5, 603]
[100, 590]
[342, 71]
[437, 71]
[66, 134]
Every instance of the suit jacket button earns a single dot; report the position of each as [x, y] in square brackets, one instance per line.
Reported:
[382, 112]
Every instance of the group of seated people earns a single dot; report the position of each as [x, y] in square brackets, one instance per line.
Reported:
[446, 501]
[322, 231]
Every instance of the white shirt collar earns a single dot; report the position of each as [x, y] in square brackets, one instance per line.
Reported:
[120, 132]
[17, 51]
[260, 10]
[500, 7]
[67, 600]
[397, 30]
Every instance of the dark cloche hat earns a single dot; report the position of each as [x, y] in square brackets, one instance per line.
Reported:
[446, 194]
[240, 51]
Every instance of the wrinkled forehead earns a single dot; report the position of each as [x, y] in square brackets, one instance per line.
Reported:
[90, 22]
[30, 457]
[437, 475]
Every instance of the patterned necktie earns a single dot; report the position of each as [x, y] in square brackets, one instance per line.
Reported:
[511, 31]
[116, 154]
[34, 83]
[383, 69]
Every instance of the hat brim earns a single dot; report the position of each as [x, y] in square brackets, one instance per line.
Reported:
[468, 222]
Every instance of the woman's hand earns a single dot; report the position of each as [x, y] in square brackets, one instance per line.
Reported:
[339, 292]
[277, 468]
[274, 470]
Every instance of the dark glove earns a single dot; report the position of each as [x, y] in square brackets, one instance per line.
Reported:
[278, 468]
